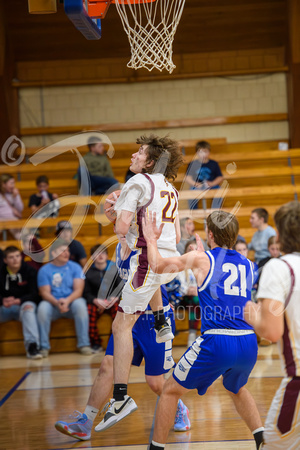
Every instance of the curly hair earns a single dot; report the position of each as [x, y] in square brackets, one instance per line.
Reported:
[165, 153]
[287, 221]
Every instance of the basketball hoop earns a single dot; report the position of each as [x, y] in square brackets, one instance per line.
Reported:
[150, 26]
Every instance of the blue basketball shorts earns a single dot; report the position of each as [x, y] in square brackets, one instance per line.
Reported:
[158, 357]
[211, 356]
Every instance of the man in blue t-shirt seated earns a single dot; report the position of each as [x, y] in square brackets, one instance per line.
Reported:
[61, 284]
[77, 252]
[203, 173]
[259, 243]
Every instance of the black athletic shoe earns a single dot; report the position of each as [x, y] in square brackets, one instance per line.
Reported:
[33, 352]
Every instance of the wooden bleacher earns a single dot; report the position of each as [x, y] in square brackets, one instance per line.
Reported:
[258, 175]
[62, 336]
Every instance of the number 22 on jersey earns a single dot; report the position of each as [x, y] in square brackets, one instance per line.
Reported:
[168, 212]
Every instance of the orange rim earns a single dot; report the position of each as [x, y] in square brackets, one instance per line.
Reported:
[132, 2]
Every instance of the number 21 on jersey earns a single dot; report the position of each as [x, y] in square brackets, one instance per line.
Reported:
[233, 270]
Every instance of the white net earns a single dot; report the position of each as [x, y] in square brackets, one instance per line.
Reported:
[150, 27]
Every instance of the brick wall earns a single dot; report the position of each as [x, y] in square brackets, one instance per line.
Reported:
[161, 100]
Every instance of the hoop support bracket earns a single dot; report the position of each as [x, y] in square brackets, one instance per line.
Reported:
[98, 8]
[76, 12]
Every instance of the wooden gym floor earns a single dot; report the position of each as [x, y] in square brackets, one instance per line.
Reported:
[35, 394]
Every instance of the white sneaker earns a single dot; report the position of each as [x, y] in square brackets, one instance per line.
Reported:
[86, 350]
[164, 334]
[116, 411]
[44, 352]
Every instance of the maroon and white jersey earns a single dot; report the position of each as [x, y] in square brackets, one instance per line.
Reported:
[275, 283]
[145, 192]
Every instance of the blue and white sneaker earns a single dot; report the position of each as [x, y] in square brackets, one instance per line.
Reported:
[80, 429]
[182, 421]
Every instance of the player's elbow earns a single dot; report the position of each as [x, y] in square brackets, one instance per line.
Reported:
[272, 332]
[156, 267]
[272, 335]
[121, 228]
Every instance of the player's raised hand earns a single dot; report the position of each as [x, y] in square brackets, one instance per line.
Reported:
[150, 230]
[200, 247]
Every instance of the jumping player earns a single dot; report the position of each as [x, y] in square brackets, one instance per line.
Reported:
[228, 345]
[276, 316]
[156, 162]
[158, 361]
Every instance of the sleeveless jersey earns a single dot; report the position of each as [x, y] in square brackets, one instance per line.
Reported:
[123, 266]
[278, 282]
[154, 193]
[225, 290]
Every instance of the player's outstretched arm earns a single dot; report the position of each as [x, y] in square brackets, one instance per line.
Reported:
[151, 234]
[200, 247]
[157, 263]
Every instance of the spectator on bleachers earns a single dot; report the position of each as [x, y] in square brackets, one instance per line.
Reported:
[274, 250]
[77, 252]
[102, 291]
[61, 284]
[33, 253]
[203, 173]
[241, 247]
[187, 229]
[100, 172]
[19, 298]
[259, 243]
[44, 197]
[11, 204]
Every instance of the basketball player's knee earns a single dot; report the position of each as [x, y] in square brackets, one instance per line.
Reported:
[235, 395]
[155, 383]
[106, 368]
[116, 326]
[122, 324]
[171, 388]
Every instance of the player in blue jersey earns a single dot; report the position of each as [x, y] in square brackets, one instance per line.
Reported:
[228, 345]
[158, 361]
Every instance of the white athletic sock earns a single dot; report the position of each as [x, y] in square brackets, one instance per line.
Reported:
[91, 412]
[158, 445]
[258, 430]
